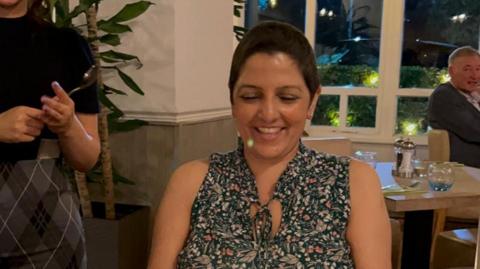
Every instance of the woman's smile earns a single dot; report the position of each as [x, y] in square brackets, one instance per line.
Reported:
[268, 133]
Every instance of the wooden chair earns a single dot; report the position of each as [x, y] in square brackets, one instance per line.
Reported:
[456, 247]
[438, 146]
[332, 145]
[438, 151]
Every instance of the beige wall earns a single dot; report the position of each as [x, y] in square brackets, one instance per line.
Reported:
[203, 48]
[153, 41]
[186, 47]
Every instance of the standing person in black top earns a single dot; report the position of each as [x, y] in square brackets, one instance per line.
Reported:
[40, 225]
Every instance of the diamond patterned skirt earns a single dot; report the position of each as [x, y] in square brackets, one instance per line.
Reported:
[40, 224]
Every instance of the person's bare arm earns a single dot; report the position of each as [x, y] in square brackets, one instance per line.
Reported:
[81, 146]
[77, 133]
[173, 216]
[368, 230]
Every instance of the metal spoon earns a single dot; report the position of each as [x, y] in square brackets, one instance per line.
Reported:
[89, 77]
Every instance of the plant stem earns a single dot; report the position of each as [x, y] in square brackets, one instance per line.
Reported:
[84, 195]
[106, 158]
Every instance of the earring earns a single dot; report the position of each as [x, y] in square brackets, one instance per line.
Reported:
[250, 142]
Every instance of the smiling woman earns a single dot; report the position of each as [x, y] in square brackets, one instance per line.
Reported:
[274, 203]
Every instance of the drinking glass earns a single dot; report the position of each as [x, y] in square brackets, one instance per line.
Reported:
[420, 168]
[368, 157]
[440, 176]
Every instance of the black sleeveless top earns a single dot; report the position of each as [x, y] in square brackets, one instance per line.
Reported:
[32, 57]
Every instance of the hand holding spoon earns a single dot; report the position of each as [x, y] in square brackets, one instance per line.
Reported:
[89, 77]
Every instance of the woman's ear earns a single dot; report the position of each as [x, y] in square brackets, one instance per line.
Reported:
[313, 104]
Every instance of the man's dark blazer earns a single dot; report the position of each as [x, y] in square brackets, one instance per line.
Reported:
[448, 109]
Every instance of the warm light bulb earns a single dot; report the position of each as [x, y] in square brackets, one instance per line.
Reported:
[409, 128]
[371, 80]
[273, 3]
[322, 12]
[444, 78]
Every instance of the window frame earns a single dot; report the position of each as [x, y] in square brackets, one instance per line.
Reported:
[388, 90]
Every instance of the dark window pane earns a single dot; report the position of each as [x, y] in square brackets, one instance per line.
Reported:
[432, 30]
[292, 12]
[347, 42]
[361, 111]
[411, 115]
[327, 111]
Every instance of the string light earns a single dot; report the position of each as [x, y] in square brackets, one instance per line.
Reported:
[322, 12]
[459, 18]
[273, 3]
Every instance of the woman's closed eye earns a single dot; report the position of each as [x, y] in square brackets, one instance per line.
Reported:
[288, 98]
[249, 96]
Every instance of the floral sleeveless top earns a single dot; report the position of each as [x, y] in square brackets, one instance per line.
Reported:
[314, 195]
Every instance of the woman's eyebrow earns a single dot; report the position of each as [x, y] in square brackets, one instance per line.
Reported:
[282, 88]
[290, 87]
[249, 86]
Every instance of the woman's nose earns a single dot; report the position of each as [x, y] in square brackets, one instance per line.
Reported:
[268, 110]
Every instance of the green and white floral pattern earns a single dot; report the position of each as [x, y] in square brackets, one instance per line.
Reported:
[314, 195]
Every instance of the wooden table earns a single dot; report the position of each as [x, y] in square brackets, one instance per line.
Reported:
[418, 208]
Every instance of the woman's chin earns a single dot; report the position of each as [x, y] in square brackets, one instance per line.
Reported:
[270, 152]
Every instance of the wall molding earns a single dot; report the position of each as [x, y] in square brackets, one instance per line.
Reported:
[171, 118]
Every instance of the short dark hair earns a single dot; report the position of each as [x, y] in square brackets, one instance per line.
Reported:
[461, 52]
[276, 37]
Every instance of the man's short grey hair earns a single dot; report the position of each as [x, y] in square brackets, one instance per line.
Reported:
[462, 51]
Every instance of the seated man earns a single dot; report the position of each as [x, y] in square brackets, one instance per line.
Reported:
[454, 106]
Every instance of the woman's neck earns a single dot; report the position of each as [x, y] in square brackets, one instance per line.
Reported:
[257, 164]
[267, 172]
[16, 10]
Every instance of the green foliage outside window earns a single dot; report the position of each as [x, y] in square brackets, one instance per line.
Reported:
[422, 77]
[327, 110]
[411, 111]
[344, 75]
[366, 76]
[411, 115]
[361, 111]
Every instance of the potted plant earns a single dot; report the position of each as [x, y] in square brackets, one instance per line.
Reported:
[110, 243]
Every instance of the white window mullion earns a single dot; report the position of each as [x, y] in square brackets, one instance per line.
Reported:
[310, 20]
[389, 67]
[310, 28]
[343, 110]
[415, 92]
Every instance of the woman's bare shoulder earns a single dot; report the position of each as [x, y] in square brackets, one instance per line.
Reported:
[363, 174]
[187, 179]
[193, 169]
